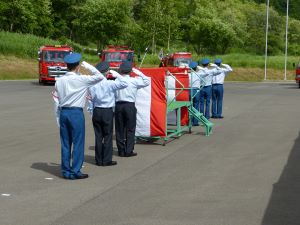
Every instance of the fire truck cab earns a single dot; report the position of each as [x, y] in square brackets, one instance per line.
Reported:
[115, 55]
[51, 62]
[176, 59]
[297, 77]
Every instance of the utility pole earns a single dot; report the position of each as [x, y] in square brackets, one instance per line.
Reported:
[286, 37]
[266, 49]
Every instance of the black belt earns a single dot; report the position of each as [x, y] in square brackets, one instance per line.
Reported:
[217, 84]
[71, 108]
[124, 102]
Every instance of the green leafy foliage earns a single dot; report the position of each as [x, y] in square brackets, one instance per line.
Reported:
[201, 26]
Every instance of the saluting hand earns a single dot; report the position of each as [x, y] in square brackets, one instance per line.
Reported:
[114, 73]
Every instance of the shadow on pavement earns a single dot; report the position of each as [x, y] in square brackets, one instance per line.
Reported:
[51, 168]
[284, 204]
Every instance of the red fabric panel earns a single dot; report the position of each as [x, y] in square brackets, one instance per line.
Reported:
[158, 101]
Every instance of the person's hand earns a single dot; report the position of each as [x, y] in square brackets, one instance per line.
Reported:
[89, 67]
[213, 65]
[114, 73]
[137, 72]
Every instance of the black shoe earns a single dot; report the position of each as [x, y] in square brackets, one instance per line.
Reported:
[121, 154]
[214, 117]
[131, 154]
[81, 176]
[111, 163]
[220, 117]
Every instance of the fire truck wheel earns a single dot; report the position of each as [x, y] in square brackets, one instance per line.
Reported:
[40, 82]
[299, 84]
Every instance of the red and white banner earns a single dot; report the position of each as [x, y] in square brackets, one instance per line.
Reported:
[151, 105]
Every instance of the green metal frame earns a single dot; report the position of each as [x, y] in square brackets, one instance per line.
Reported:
[178, 105]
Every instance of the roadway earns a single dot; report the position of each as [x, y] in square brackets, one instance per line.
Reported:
[246, 173]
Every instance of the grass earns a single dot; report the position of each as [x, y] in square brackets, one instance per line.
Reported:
[15, 68]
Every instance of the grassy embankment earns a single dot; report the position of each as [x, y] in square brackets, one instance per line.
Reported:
[18, 60]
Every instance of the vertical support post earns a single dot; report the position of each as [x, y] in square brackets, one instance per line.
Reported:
[286, 37]
[266, 48]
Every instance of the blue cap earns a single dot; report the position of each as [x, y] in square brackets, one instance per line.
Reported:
[218, 61]
[126, 67]
[205, 61]
[72, 58]
[103, 66]
[193, 64]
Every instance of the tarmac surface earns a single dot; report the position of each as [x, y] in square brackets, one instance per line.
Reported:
[246, 173]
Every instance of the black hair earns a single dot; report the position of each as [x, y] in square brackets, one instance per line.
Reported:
[72, 66]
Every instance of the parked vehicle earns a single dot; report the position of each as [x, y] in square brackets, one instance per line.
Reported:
[297, 77]
[176, 59]
[115, 55]
[51, 62]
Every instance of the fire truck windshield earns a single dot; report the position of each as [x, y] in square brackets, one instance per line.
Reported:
[54, 56]
[118, 56]
[182, 62]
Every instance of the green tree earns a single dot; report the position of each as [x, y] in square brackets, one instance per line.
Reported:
[106, 21]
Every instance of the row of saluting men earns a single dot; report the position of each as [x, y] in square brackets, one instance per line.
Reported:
[103, 94]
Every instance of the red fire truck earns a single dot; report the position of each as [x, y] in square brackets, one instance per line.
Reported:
[297, 78]
[115, 55]
[51, 62]
[176, 59]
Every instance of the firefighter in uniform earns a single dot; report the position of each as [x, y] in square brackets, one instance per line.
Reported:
[218, 89]
[208, 70]
[101, 105]
[194, 80]
[125, 111]
[70, 96]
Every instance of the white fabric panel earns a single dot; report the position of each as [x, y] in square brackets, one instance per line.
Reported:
[171, 88]
[143, 106]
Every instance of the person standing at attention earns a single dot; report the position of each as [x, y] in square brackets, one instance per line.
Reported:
[125, 113]
[101, 105]
[208, 71]
[70, 97]
[218, 89]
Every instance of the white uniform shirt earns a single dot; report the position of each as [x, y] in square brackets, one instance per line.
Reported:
[208, 73]
[134, 83]
[103, 93]
[71, 89]
[219, 79]
[194, 80]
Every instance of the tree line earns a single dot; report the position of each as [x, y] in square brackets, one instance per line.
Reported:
[201, 26]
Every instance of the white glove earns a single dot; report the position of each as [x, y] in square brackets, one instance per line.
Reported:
[213, 65]
[137, 72]
[114, 73]
[199, 68]
[89, 67]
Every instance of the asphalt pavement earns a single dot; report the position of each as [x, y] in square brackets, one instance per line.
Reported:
[246, 173]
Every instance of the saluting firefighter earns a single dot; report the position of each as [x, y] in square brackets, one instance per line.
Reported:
[125, 111]
[194, 81]
[70, 97]
[218, 89]
[101, 105]
[208, 70]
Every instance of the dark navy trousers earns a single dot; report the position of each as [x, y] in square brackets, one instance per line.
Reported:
[125, 118]
[217, 100]
[72, 137]
[205, 96]
[103, 127]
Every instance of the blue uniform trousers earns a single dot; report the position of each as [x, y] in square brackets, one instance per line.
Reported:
[72, 132]
[217, 100]
[196, 94]
[205, 95]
